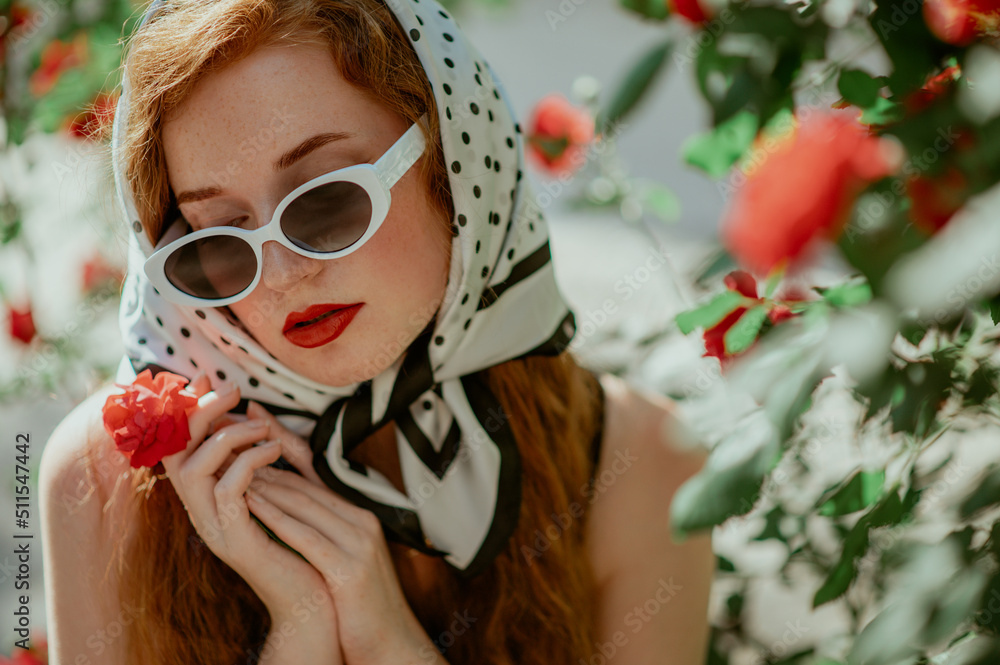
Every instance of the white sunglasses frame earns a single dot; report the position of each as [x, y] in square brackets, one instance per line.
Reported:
[376, 179]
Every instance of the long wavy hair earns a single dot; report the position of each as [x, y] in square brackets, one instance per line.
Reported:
[529, 607]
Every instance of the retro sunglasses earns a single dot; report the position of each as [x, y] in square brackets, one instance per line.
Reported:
[327, 217]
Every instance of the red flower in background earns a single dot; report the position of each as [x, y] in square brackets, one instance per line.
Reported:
[935, 199]
[743, 283]
[804, 190]
[933, 88]
[100, 113]
[57, 57]
[97, 272]
[149, 421]
[695, 11]
[960, 22]
[21, 324]
[559, 134]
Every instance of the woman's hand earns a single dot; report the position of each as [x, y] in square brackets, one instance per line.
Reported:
[346, 544]
[288, 586]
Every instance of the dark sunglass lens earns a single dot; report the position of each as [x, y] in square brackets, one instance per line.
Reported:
[212, 267]
[328, 218]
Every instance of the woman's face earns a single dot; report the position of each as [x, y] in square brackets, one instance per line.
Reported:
[241, 141]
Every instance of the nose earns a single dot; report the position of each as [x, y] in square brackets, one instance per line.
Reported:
[283, 269]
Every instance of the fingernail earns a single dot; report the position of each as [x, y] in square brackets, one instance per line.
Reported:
[256, 423]
[225, 388]
[201, 374]
[253, 496]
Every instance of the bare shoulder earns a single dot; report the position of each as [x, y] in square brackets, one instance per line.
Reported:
[653, 591]
[78, 471]
[79, 460]
[642, 464]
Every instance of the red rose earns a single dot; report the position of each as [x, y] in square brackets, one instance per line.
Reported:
[21, 324]
[960, 22]
[97, 116]
[934, 87]
[694, 11]
[96, 272]
[149, 421]
[804, 189]
[935, 200]
[559, 135]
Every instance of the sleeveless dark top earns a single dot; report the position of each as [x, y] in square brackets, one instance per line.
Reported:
[595, 444]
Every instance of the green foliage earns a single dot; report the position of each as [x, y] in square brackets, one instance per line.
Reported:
[634, 86]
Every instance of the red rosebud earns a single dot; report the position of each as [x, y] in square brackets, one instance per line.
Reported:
[779, 313]
[935, 199]
[933, 88]
[96, 272]
[960, 22]
[559, 135]
[149, 421]
[741, 282]
[804, 190]
[694, 11]
[21, 324]
[714, 337]
[98, 115]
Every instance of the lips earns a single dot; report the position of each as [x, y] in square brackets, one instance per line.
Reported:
[319, 324]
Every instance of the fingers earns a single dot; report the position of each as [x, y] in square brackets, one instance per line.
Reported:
[237, 478]
[211, 405]
[199, 384]
[210, 455]
[295, 449]
[309, 512]
[314, 544]
[320, 493]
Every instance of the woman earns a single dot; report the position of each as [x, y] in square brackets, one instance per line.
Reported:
[454, 487]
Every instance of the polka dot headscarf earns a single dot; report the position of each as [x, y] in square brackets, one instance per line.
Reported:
[459, 460]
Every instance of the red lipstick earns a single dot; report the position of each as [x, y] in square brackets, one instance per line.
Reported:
[319, 324]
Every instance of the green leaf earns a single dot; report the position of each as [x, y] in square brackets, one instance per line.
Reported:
[715, 152]
[662, 202]
[729, 484]
[634, 86]
[651, 9]
[861, 490]
[850, 294]
[986, 494]
[995, 309]
[710, 313]
[882, 112]
[743, 333]
[772, 525]
[858, 87]
[889, 510]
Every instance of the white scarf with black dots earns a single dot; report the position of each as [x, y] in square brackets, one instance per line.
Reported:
[459, 460]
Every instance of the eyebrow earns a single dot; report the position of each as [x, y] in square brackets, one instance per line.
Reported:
[283, 162]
